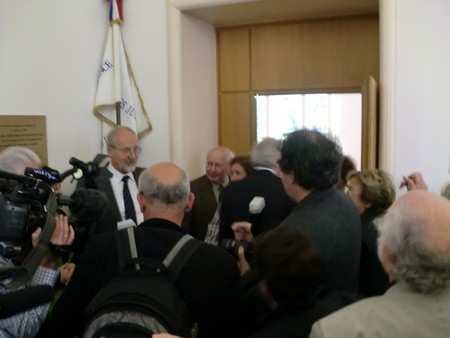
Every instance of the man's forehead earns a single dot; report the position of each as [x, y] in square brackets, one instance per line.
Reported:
[126, 136]
[216, 155]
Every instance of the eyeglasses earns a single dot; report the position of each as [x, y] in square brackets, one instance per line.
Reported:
[214, 165]
[348, 192]
[128, 151]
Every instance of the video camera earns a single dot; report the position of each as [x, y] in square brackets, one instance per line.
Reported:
[27, 201]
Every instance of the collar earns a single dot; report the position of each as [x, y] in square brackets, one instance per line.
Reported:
[314, 196]
[266, 169]
[117, 174]
[224, 184]
[161, 223]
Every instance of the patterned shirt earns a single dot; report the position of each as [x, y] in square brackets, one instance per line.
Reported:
[212, 234]
[27, 323]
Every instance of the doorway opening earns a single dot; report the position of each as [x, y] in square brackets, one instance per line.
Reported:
[336, 114]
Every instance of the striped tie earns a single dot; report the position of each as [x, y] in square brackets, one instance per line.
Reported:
[130, 213]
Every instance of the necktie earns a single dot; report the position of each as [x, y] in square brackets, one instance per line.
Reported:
[130, 213]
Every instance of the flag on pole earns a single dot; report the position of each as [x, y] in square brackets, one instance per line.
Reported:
[118, 101]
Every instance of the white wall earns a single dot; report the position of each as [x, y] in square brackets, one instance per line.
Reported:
[415, 88]
[50, 54]
[193, 90]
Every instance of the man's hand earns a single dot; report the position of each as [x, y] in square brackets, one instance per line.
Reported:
[66, 272]
[63, 234]
[242, 231]
[414, 181]
[242, 263]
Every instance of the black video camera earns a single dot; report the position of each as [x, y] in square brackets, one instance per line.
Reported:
[26, 204]
[232, 247]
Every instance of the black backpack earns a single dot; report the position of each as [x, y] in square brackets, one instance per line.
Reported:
[143, 299]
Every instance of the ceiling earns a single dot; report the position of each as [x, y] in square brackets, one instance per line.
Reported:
[223, 13]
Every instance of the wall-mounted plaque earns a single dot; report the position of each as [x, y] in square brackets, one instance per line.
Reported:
[24, 130]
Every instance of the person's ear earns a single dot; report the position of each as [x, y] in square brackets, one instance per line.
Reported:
[141, 201]
[190, 202]
[387, 261]
[367, 205]
[109, 149]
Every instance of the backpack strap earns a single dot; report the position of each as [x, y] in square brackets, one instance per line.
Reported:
[174, 262]
[180, 254]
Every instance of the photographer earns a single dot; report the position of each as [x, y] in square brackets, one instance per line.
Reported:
[286, 274]
[27, 323]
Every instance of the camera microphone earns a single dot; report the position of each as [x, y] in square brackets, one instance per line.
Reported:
[43, 175]
[89, 169]
[17, 301]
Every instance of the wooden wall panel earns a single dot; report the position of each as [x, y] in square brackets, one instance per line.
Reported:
[234, 59]
[316, 54]
[275, 56]
[235, 124]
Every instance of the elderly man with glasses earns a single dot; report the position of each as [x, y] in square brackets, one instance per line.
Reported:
[118, 181]
[207, 190]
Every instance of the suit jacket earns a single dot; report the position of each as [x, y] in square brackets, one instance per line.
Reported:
[208, 283]
[400, 312]
[112, 214]
[196, 221]
[333, 224]
[238, 195]
[373, 280]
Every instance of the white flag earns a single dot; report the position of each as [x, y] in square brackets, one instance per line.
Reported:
[116, 89]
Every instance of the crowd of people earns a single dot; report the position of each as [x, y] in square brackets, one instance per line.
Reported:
[319, 248]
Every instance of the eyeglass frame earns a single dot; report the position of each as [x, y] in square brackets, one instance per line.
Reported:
[348, 192]
[214, 165]
[127, 151]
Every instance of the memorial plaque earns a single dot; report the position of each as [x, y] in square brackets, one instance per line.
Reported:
[24, 130]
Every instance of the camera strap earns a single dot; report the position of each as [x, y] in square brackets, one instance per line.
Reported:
[23, 273]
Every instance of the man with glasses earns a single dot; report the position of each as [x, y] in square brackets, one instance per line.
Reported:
[207, 190]
[118, 181]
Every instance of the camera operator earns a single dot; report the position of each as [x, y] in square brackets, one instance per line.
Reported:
[286, 273]
[27, 323]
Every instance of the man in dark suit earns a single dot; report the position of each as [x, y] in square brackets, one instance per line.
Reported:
[264, 183]
[207, 190]
[123, 150]
[310, 163]
[208, 283]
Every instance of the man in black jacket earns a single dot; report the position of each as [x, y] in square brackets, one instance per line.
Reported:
[272, 204]
[208, 284]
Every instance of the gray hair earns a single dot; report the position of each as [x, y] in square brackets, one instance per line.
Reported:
[266, 153]
[16, 159]
[111, 138]
[416, 264]
[154, 190]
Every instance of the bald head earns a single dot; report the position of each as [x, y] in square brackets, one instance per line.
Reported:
[416, 232]
[164, 183]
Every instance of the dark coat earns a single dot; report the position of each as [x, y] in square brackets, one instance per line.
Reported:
[331, 221]
[294, 319]
[373, 279]
[238, 195]
[208, 283]
[205, 204]
[112, 215]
